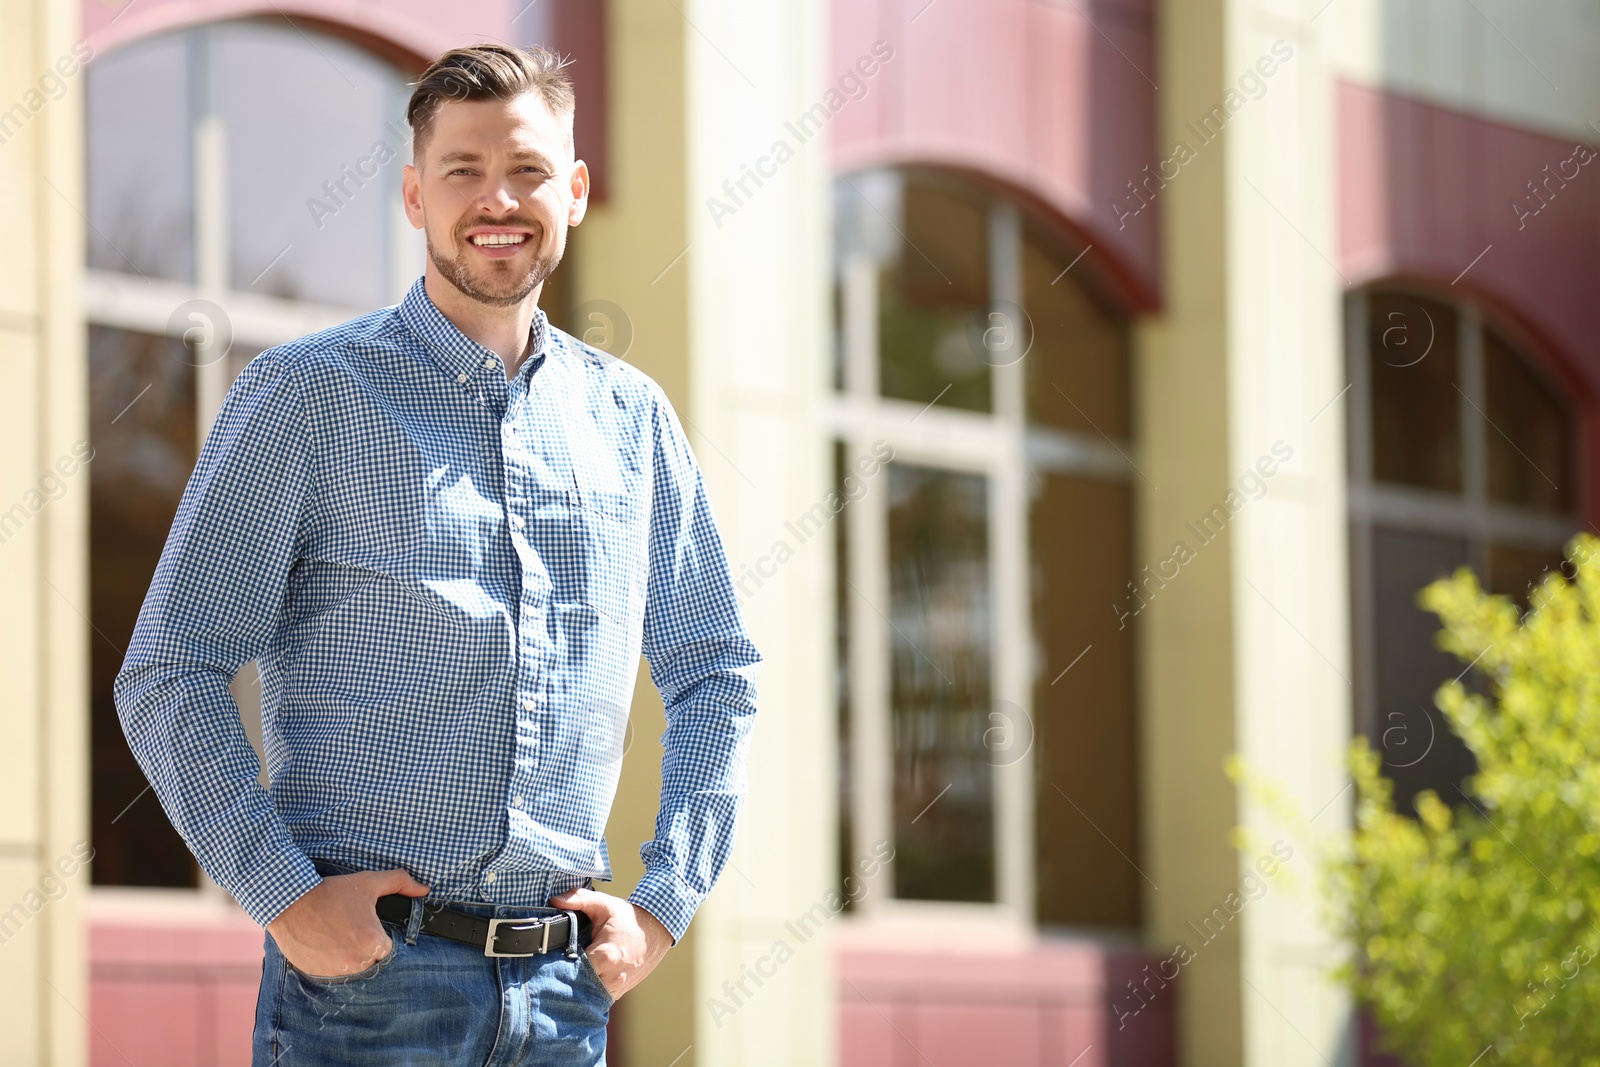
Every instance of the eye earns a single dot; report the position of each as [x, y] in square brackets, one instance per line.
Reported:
[458, 170]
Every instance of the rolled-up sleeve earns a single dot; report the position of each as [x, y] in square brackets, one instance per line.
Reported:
[705, 667]
[211, 608]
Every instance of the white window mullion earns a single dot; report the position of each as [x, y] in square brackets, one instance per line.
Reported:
[868, 607]
[869, 610]
[1472, 405]
[1005, 338]
[859, 300]
[1363, 608]
[1010, 750]
[211, 231]
[1011, 642]
[131, 303]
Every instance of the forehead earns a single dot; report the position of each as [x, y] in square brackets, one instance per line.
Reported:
[523, 123]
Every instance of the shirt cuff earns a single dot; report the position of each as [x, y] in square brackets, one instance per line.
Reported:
[267, 889]
[663, 894]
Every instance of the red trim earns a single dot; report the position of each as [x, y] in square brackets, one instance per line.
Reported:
[404, 39]
[1424, 189]
[580, 27]
[408, 33]
[1034, 96]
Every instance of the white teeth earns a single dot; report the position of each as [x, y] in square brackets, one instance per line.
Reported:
[499, 238]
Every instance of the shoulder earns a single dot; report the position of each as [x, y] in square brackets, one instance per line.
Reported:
[331, 356]
[630, 388]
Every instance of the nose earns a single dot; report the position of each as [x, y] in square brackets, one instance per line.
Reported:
[496, 199]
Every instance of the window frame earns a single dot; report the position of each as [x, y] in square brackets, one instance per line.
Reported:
[1010, 452]
[1469, 515]
[132, 302]
[143, 304]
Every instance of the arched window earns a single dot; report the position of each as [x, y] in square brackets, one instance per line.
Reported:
[983, 526]
[1463, 452]
[243, 190]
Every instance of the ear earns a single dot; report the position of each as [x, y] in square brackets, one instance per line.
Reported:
[411, 195]
[578, 186]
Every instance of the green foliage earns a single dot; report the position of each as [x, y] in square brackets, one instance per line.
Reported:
[1478, 923]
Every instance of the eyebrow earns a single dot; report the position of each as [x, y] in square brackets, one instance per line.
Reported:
[450, 158]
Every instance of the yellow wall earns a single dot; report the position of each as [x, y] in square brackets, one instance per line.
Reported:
[734, 330]
[1249, 651]
[759, 317]
[1186, 652]
[620, 251]
[43, 579]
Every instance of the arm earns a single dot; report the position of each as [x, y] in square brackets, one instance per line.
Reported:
[705, 667]
[210, 609]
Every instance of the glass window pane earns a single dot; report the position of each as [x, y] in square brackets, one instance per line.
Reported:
[943, 803]
[933, 296]
[1528, 445]
[141, 398]
[313, 169]
[137, 160]
[1416, 431]
[1515, 571]
[1409, 732]
[1078, 365]
[1085, 744]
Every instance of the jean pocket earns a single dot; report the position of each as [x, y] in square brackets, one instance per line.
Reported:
[358, 976]
[586, 966]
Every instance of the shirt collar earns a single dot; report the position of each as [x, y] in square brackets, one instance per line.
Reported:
[458, 355]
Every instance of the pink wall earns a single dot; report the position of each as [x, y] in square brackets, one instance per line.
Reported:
[398, 28]
[1060, 1003]
[1025, 93]
[1425, 189]
[164, 993]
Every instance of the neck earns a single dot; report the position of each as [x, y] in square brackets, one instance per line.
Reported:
[505, 331]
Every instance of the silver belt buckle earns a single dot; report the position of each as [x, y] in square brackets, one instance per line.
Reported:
[527, 924]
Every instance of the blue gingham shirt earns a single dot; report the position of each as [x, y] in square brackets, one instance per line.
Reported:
[447, 579]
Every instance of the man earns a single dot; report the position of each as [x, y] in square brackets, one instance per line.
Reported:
[447, 531]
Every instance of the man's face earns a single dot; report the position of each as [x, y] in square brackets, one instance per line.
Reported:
[494, 190]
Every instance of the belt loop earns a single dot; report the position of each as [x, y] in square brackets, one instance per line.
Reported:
[414, 923]
[572, 934]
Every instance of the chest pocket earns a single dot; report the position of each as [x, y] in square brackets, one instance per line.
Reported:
[589, 521]
[608, 529]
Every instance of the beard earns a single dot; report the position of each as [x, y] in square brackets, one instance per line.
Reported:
[502, 288]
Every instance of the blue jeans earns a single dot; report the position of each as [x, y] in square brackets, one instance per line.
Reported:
[437, 1002]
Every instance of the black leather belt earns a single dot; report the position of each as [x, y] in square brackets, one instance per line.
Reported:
[497, 937]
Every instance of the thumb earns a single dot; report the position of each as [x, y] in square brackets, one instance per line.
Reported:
[397, 880]
[582, 899]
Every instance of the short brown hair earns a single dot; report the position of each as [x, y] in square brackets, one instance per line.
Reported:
[488, 72]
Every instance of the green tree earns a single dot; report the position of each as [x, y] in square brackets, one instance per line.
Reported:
[1476, 925]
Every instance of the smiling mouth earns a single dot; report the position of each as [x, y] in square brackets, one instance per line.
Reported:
[498, 240]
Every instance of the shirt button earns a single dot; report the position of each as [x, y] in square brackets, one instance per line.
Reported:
[461, 379]
[516, 522]
[527, 704]
[489, 363]
[516, 801]
[488, 876]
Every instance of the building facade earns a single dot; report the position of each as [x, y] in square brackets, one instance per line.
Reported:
[1084, 389]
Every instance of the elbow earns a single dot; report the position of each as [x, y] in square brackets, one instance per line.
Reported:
[130, 693]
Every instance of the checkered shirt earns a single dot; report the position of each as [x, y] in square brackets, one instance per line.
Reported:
[447, 579]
